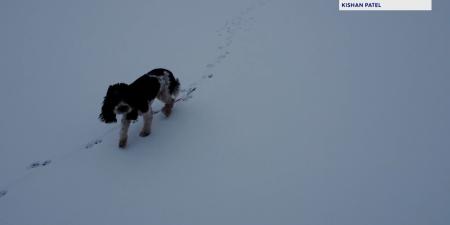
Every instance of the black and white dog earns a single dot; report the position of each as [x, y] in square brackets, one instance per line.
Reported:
[136, 99]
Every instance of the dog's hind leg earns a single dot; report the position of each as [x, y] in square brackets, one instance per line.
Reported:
[124, 132]
[166, 97]
[148, 117]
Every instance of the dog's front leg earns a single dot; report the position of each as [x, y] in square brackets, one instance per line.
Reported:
[148, 117]
[124, 132]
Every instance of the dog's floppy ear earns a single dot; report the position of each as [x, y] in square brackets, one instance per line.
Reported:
[107, 115]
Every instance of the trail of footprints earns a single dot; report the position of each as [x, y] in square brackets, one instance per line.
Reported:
[31, 166]
[227, 34]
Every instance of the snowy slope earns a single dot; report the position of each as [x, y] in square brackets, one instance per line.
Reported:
[302, 114]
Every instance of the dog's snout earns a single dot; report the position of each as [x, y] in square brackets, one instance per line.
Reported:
[122, 108]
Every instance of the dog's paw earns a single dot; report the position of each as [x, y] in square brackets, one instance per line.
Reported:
[166, 113]
[123, 143]
[144, 133]
[167, 110]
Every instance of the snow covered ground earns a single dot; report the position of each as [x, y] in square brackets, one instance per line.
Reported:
[302, 114]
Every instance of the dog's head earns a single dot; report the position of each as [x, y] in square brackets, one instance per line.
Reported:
[117, 101]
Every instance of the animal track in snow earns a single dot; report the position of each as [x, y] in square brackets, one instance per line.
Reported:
[39, 164]
[93, 143]
[229, 30]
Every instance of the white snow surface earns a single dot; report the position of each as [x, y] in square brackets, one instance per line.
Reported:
[302, 114]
